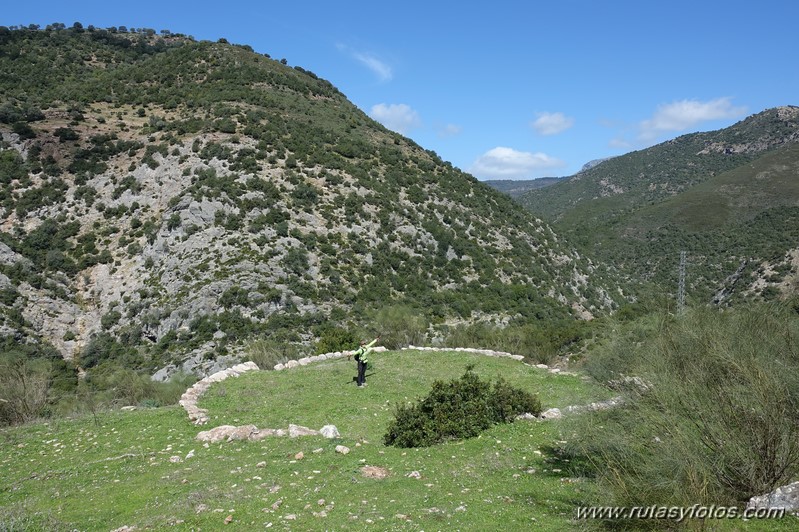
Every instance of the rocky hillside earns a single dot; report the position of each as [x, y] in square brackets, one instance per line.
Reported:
[162, 196]
[728, 197]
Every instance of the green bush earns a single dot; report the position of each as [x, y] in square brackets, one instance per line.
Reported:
[267, 353]
[537, 341]
[400, 326]
[25, 386]
[461, 408]
[714, 418]
[336, 339]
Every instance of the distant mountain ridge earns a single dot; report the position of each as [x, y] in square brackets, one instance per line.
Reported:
[726, 196]
[518, 187]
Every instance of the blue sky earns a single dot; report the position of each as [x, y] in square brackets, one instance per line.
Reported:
[506, 89]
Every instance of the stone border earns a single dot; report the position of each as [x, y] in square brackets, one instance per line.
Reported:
[252, 433]
[304, 361]
[199, 416]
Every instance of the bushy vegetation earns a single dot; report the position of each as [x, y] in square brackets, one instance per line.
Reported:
[334, 339]
[458, 409]
[400, 326]
[268, 352]
[36, 382]
[712, 415]
[538, 341]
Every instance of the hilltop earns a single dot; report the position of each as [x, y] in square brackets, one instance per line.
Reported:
[164, 198]
[728, 197]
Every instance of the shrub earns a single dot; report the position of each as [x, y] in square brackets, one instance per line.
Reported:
[539, 342]
[267, 353]
[400, 326]
[461, 408]
[336, 339]
[718, 421]
[25, 385]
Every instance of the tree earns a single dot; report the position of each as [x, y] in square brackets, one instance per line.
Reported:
[24, 386]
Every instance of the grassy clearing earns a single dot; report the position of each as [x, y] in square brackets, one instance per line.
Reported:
[77, 474]
[324, 393]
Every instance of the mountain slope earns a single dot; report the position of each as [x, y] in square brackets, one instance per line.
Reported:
[726, 197]
[163, 196]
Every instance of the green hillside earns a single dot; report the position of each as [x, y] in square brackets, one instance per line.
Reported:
[164, 199]
[726, 197]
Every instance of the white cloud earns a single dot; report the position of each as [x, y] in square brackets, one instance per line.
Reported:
[449, 130]
[684, 114]
[379, 67]
[507, 163]
[396, 117]
[551, 123]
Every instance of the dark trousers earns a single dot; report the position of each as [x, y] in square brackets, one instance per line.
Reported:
[361, 373]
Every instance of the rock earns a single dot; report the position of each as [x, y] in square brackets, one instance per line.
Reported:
[552, 413]
[128, 408]
[414, 474]
[527, 416]
[260, 434]
[299, 456]
[242, 433]
[374, 472]
[342, 449]
[175, 459]
[631, 383]
[227, 433]
[298, 430]
[329, 431]
[260, 464]
[786, 497]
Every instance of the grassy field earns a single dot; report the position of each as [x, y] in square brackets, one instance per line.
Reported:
[117, 470]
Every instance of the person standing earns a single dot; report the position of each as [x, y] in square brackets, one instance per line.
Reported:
[362, 358]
